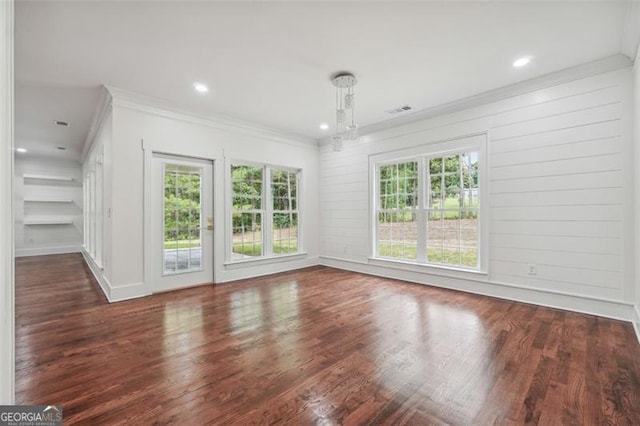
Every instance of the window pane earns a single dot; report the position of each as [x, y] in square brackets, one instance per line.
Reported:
[247, 235]
[284, 225]
[285, 233]
[182, 188]
[469, 193]
[397, 235]
[247, 187]
[284, 189]
[399, 185]
[469, 240]
[435, 238]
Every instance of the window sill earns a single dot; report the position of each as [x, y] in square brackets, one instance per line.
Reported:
[237, 264]
[446, 271]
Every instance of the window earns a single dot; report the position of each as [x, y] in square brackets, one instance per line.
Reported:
[92, 207]
[182, 222]
[264, 211]
[284, 188]
[247, 211]
[427, 205]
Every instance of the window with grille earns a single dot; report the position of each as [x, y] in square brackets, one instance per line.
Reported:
[427, 206]
[284, 193]
[264, 211]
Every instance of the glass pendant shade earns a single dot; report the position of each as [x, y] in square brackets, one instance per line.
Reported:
[348, 101]
[346, 127]
[351, 132]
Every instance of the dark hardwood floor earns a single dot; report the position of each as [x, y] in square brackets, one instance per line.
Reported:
[316, 346]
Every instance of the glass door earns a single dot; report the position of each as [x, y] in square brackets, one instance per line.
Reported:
[183, 222]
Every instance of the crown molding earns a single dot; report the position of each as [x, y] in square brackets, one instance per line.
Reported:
[104, 105]
[610, 63]
[631, 32]
[135, 101]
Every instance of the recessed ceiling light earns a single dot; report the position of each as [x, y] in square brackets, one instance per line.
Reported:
[324, 126]
[21, 150]
[202, 88]
[522, 62]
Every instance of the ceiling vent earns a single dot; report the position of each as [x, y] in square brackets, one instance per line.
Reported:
[61, 123]
[399, 110]
[61, 148]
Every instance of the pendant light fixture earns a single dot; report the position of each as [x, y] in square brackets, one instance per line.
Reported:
[346, 127]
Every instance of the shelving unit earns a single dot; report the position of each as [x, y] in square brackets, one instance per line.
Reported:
[46, 200]
[48, 196]
[47, 177]
[51, 204]
[47, 221]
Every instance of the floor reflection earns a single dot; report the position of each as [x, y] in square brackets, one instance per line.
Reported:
[245, 310]
[183, 332]
[440, 335]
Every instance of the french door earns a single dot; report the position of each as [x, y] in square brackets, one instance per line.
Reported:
[182, 222]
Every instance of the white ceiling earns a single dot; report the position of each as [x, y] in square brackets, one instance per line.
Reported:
[270, 63]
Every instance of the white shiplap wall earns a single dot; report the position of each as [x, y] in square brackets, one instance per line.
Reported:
[560, 195]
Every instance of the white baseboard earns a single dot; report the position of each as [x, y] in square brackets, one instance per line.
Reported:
[103, 282]
[251, 271]
[42, 251]
[128, 291]
[636, 321]
[114, 293]
[576, 303]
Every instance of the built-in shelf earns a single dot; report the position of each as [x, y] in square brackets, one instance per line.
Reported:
[47, 221]
[47, 177]
[46, 200]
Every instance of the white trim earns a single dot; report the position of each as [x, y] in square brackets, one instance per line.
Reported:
[43, 251]
[615, 309]
[610, 63]
[425, 268]
[128, 291]
[264, 260]
[636, 321]
[631, 32]
[114, 293]
[259, 270]
[103, 282]
[7, 283]
[137, 102]
[102, 111]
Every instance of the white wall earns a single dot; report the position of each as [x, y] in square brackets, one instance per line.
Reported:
[47, 239]
[7, 330]
[560, 195]
[636, 73]
[180, 134]
[97, 230]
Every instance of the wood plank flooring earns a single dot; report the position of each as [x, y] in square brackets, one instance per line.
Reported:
[316, 346]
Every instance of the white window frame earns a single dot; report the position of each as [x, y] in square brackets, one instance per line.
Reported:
[475, 142]
[267, 212]
[93, 218]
